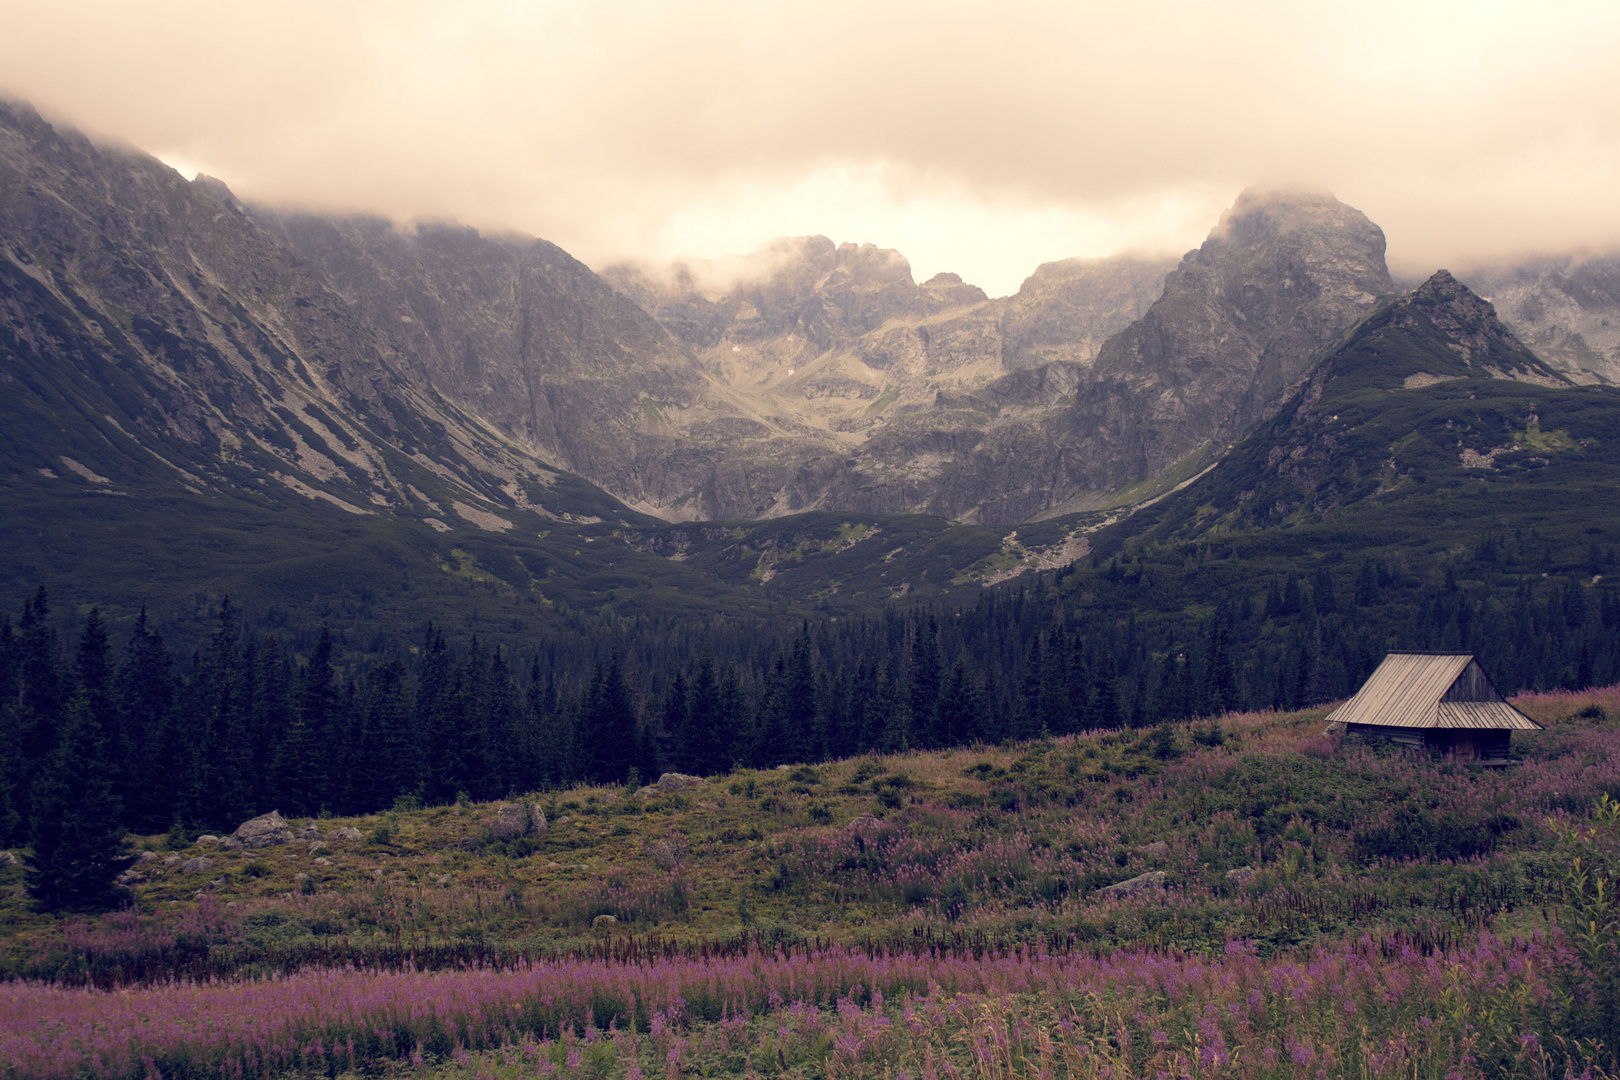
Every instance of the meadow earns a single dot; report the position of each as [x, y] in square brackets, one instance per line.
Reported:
[1328, 909]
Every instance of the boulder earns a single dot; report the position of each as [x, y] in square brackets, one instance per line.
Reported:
[197, 866]
[674, 781]
[171, 860]
[145, 856]
[205, 839]
[309, 832]
[1157, 850]
[511, 820]
[7, 859]
[318, 846]
[1153, 879]
[348, 832]
[264, 831]
[323, 862]
[130, 877]
[1239, 874]
[604, 922]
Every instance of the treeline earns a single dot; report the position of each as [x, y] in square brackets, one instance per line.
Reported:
[245, 725]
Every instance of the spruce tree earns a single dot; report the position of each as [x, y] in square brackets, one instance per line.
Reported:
[76, 836]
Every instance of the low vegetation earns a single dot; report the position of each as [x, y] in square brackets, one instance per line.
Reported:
[1326, 908]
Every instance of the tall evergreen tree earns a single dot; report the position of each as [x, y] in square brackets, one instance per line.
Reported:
[610, 726]
[76, 837]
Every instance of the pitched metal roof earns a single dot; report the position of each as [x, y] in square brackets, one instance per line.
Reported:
[1406, 689]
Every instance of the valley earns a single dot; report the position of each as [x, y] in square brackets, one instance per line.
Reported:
[776, 666]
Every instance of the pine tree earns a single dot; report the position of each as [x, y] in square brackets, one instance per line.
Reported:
[610, 726]
[146, 692]
[697, 740]
[76, 836]
[303, 769]
[925, 679]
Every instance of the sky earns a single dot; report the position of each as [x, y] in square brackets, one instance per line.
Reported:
[975, 138]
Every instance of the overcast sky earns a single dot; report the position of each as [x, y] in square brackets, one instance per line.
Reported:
[978, 138]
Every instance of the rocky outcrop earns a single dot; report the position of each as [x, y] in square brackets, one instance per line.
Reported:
[515, 819]
[670, 783]
[266, 830]
[1150, 881]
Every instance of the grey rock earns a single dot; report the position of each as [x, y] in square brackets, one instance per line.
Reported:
[266, 830]
[604, 922]
[7, 859]
[1239, 874]
[348, 833]
[130, 877]
[323, 862]
[309, 832]
[1153, 879]
[231, 843]
[319, 845]
[145, 856]
[1566, 308]
[511, 820]
[784, 768]
[300, 879]
[197, 866]
[674, 781]
[206, 840]
[1157, 850]
[171, 860]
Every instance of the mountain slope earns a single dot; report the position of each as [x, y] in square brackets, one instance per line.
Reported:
[1428, 416]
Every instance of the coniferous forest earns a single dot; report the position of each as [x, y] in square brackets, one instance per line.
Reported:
[117, 725]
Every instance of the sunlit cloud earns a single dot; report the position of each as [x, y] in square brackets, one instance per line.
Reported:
[974, 140]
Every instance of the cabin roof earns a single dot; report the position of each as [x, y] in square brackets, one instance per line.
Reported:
[1407, 691]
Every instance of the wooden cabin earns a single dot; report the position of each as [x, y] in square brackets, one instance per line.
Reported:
[1441, 702]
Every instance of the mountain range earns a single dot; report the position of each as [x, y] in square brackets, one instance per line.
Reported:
[181, 372]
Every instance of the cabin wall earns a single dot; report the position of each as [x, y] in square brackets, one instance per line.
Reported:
[1489, 746]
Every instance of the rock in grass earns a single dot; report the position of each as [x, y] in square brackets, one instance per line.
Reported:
[604, 922]
[1153, 879]
[264, 831]
[511, 820]
[348, 832]
[1157, 850]
[197, 866]
[1239, 874]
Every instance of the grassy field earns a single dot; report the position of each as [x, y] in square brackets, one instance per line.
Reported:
[1323, 904]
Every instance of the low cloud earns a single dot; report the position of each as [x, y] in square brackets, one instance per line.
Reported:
[976, 141]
